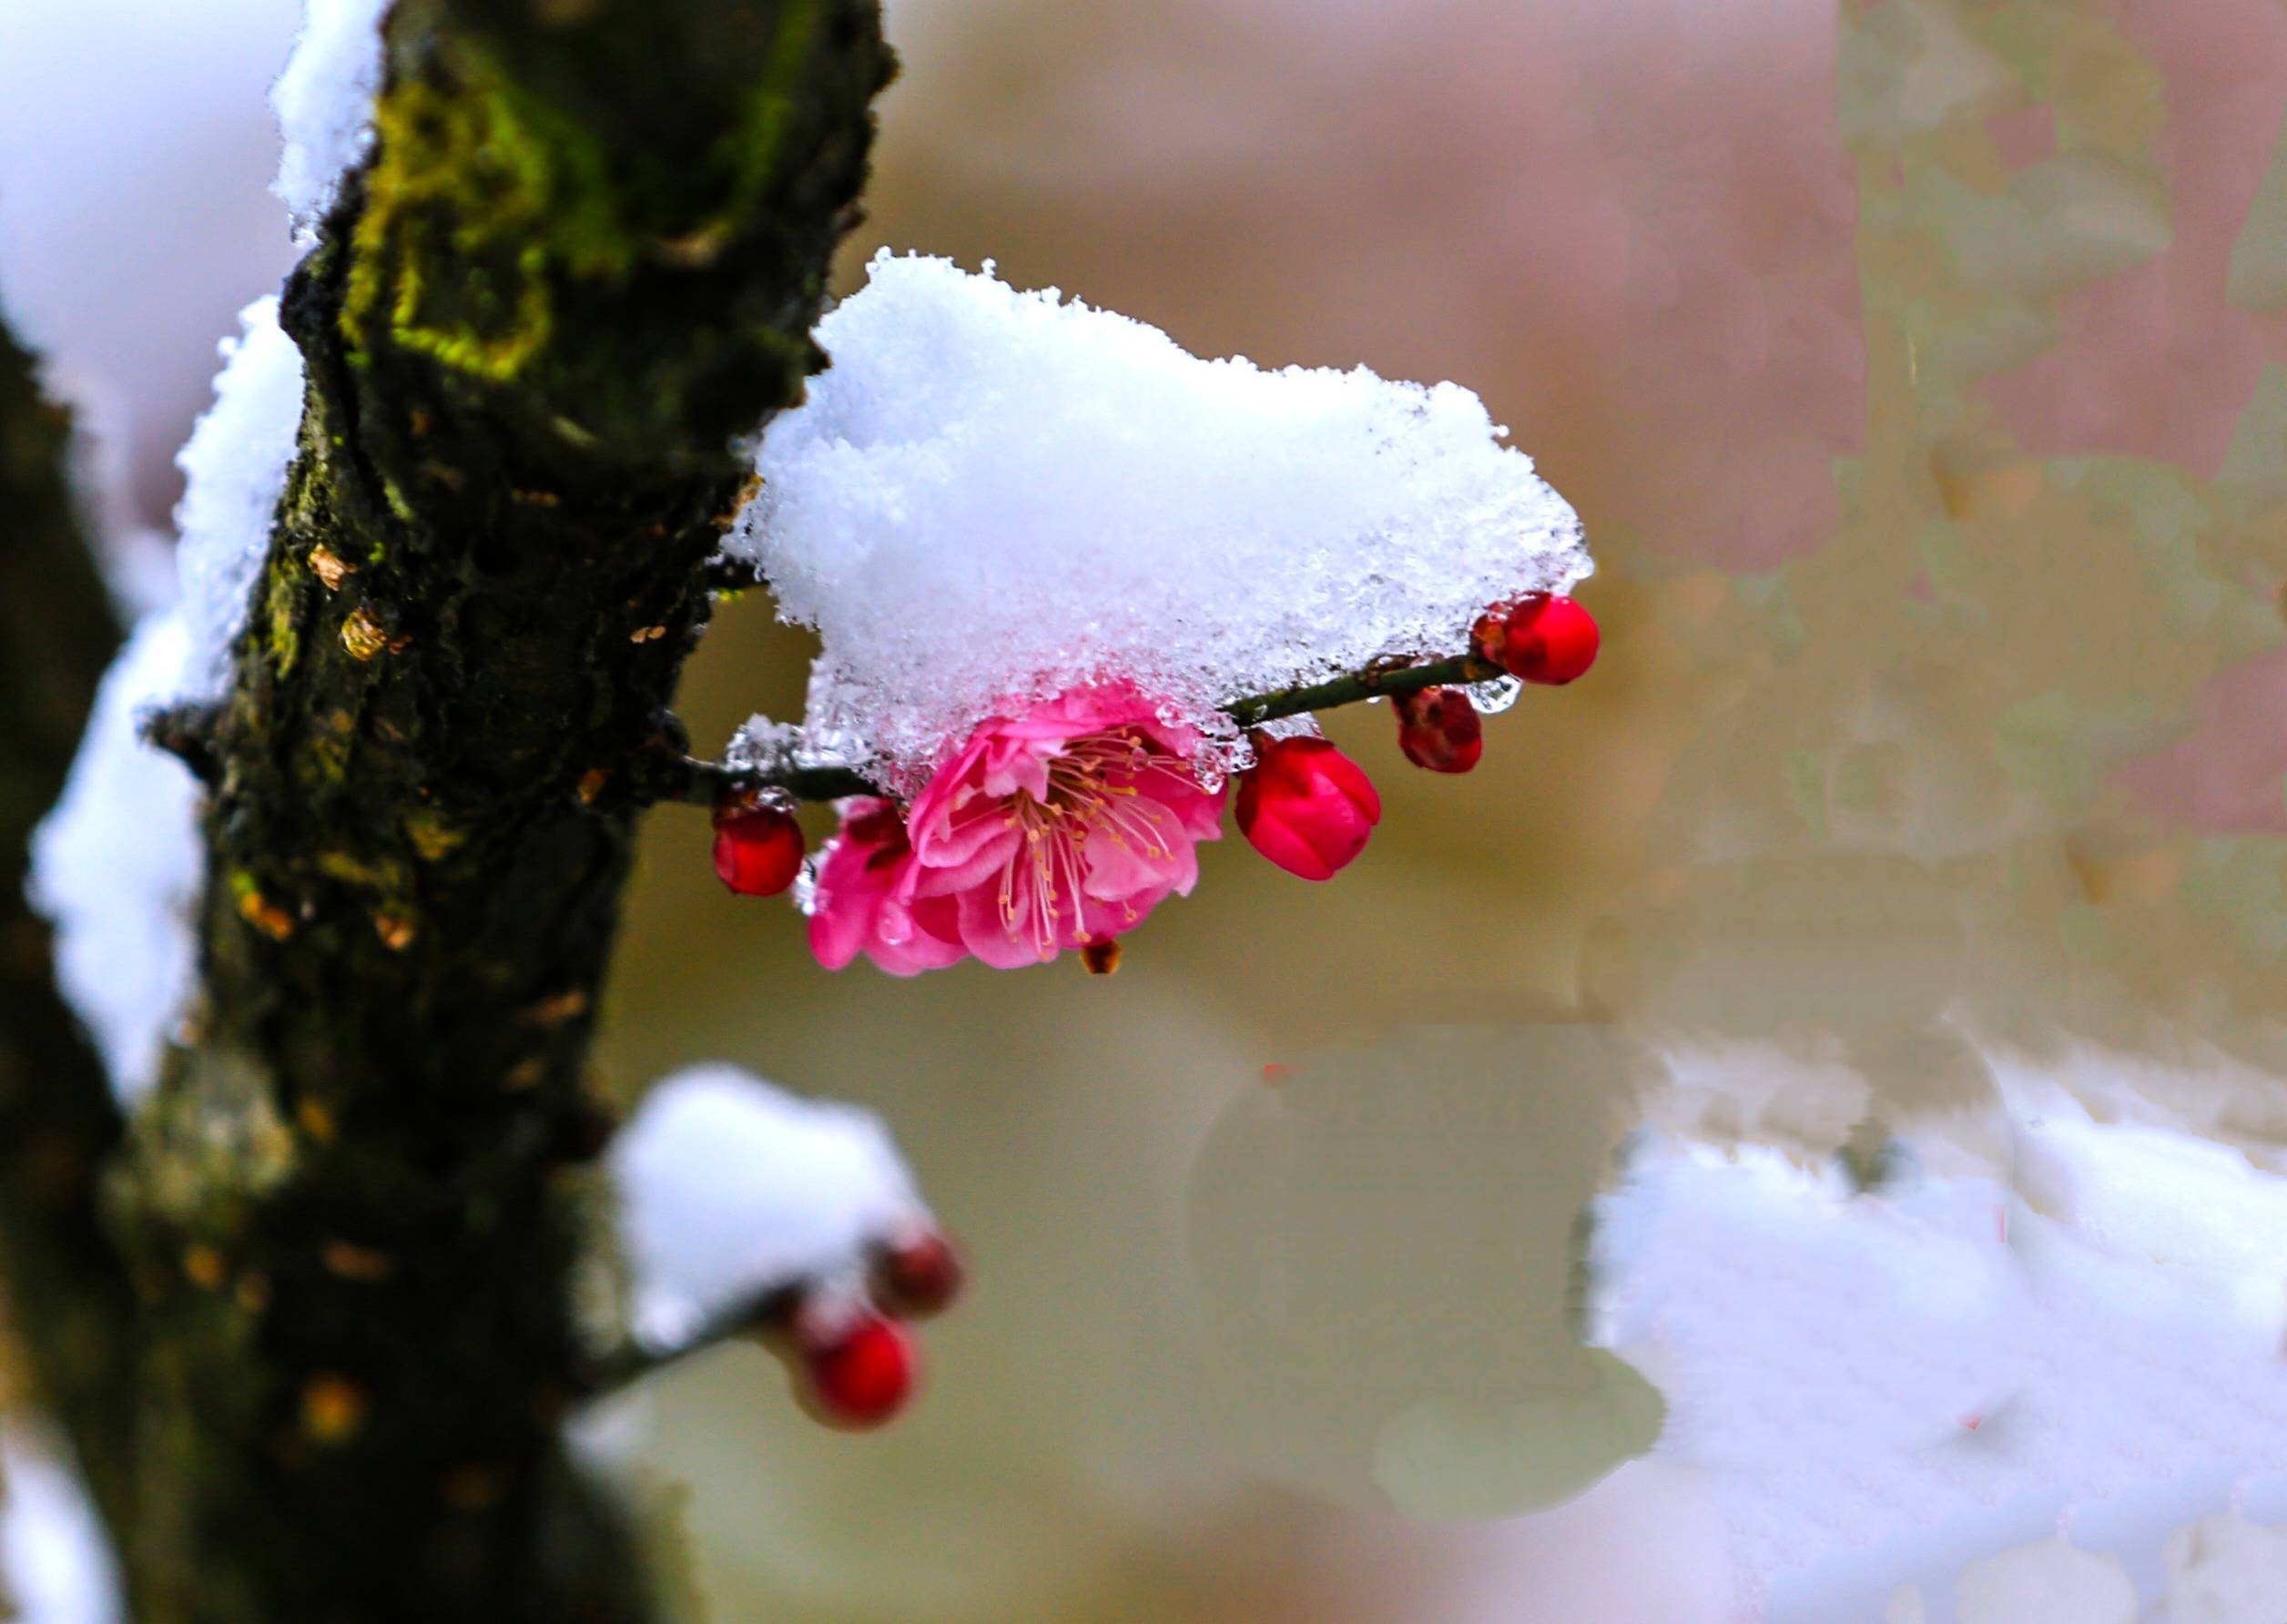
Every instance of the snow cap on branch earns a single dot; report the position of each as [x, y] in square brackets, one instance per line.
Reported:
[731, 1190]
[994, 497]
[324, 102]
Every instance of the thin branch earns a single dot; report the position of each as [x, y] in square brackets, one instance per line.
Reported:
[751, 1319]
[187, 732]
[1375, 681]
[724, 573]
[676, 777]
[668, 774]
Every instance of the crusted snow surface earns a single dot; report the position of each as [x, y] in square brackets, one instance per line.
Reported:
[324, 102]
[236, 465]
[731, 1189]
[116, 867]
[993, 495]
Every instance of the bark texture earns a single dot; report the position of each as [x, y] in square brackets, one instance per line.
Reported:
[583, 260]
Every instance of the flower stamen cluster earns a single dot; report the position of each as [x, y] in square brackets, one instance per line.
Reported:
[1055, 830]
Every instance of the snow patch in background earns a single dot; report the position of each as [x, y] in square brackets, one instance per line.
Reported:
[56, 1565]
[235, 464]
[731, 1189]
[116, 868]
[2224, 1569]
[324, 102]
[1889, 1383]
[991, 496]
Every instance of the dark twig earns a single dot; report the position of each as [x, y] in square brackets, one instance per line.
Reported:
[187, 732]
[751, 1319]
[698, 783]
[675, 776]
[1375, 681]
[724, 573]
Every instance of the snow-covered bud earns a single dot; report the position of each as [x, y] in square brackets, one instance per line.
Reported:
[757, 846]
[1306, 807]
[1440, 730]
[857, 1369]
[1542, 639]
[917, 1274]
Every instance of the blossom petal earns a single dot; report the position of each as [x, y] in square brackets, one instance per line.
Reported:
[989, 937]
[1119, 861]
[970, 856]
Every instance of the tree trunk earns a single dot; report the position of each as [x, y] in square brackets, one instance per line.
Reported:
[583, 260]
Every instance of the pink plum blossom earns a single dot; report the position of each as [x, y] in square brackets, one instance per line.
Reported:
[864, 902]
[1054, 829]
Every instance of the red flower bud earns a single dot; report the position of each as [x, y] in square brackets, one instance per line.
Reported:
[757, 850]
[917, 1275]
[1440, 730]
[859, 1374]
[1306, 807]
[1542, 639]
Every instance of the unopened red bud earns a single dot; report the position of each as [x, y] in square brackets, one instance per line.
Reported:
[1440, 730]
[757, 850]
[918, 1274]
[858, 1374]
[1305, 806]
[1488, 638]
[1543, 639]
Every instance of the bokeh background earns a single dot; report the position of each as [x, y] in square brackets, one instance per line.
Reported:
[1914, 366]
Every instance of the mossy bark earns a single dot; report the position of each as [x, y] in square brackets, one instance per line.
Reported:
[70, 1307]
[582, 259]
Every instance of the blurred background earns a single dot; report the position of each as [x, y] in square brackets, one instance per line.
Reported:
[1914, 368]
